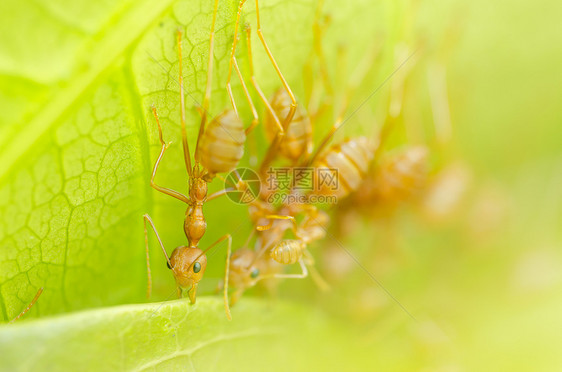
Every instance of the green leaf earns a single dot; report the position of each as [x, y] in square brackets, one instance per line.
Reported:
[174, 336]
[72, 177]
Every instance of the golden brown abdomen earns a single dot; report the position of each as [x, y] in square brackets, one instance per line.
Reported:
[404, 175]
[288, 251]
[347, 163]
[222, 145]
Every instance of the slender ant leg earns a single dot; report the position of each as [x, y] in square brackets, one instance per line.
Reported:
[28, 306]
[303, 275]
[277, 217]
[186, 153]
[233, 63]
[207, 98]
[291, 113]
[147, 218]
[357, 77]
[164, 146]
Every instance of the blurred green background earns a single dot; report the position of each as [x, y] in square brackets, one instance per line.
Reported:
[483, 282]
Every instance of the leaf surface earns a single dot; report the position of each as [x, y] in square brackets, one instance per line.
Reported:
[174, 336]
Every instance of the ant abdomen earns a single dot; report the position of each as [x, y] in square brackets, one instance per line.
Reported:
[288, 251]
[222, 145]
[299, 132]
[348, 162]
[403, 175]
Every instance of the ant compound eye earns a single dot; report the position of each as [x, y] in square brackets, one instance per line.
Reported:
[196, 267]
[168, 264]
[254, 274]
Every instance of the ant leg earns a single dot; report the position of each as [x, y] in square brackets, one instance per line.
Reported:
[222, 178]
[164, 190]
[207, 97]
[397, 87]
[318, 107]
[274, 145]
[314, 274]
[146, 218]
[322, 107]
[271, 152]
[438, 97]
[250, 236]
[235, 186]
[219, 193]
[232, 54]
[239, 185]
[255, 120]
[317, 103]
[311, 212]
[186, 154]
[233, 62]
[255, 82]
[226, 274]
[28, 306]
[324, 143]
[303, 275]
[396, 97]
[248, 98]
[318, 280]
[277, 217]
[356, 79]
[318, 35]
[293, 108]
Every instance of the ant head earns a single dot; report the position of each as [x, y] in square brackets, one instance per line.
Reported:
[197, 189]
[244, 272]
[188, 266]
